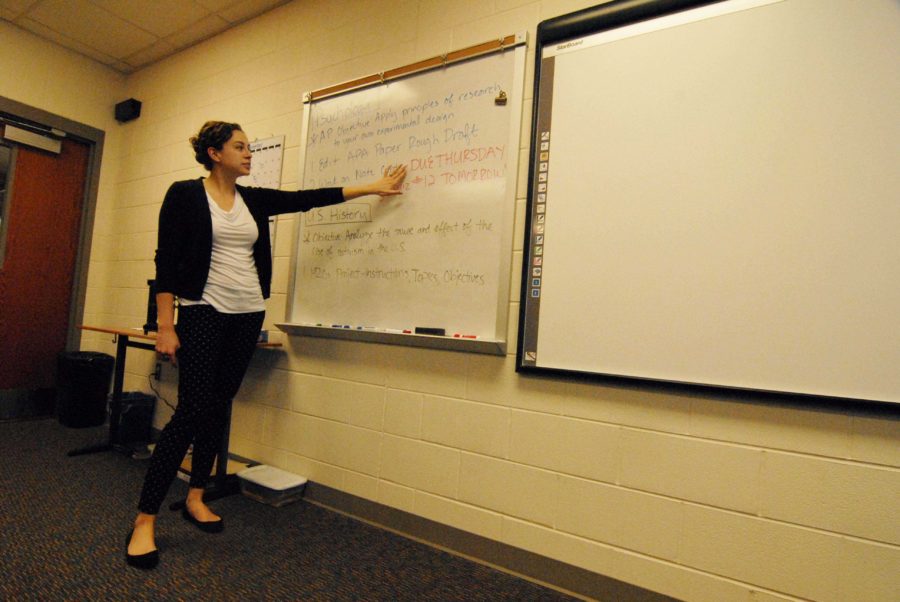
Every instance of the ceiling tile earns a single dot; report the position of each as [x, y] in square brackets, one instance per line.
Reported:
[159, 17]
[92, 26]
[10, 9]
[217, 5]
[249, 8]
[48, 34]
[129, 34]
[201, 30]
[151, 54]
[121, 67]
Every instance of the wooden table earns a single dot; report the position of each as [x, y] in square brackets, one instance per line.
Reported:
[136, 338]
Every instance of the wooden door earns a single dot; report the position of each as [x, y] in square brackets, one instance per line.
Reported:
[36, 279]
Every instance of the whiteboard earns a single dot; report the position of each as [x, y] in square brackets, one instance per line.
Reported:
[721, 197]
[439, 255]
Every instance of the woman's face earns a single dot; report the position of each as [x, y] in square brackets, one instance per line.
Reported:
[235, 155]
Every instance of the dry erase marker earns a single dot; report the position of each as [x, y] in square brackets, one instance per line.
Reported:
[465, 336]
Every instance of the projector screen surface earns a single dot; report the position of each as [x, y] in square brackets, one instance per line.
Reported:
[714, 198]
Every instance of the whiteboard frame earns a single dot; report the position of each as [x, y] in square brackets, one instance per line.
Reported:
[608, 18]
[515, 43]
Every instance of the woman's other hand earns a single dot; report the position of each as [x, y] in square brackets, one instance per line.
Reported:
[167, 343]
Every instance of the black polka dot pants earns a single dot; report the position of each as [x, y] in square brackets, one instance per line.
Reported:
[215, 351]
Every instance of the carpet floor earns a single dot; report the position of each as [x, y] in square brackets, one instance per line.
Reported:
[63, 523]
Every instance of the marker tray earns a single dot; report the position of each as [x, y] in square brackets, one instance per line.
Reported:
[271, 485]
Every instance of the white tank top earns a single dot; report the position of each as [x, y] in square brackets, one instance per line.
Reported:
[233, 283]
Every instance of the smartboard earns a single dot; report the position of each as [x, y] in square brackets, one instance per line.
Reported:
[438, 256]
[714, 196]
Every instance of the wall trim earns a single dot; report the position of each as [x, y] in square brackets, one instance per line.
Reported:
[547, 571]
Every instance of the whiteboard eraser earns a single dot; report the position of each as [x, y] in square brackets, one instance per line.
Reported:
[438, 332]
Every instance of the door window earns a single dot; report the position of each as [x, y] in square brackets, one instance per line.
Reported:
[6, 155]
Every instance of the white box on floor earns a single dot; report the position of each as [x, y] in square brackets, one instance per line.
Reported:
[271, 485]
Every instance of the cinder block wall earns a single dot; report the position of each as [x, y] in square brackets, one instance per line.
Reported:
[698, 497]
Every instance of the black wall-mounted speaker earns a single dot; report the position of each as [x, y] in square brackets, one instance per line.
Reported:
[128, 110]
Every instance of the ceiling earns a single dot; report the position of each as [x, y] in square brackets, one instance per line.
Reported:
[130, 34]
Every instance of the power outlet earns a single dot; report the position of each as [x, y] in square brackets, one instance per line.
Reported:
[157, 372]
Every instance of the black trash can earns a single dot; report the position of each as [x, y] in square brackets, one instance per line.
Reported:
[82, 386]
[136, 423]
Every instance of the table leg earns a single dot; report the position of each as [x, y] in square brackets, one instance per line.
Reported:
[115, 403]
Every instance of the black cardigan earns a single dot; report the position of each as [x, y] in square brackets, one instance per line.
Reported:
[184, 243]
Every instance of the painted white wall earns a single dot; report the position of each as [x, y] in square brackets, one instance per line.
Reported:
[48, 77]
[700, 498]
[57, 80]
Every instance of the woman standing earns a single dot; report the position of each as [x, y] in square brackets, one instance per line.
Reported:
[214, 256]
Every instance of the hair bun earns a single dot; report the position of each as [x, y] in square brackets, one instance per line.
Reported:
[213, 134]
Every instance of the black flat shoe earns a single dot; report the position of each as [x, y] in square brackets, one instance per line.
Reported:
[142, 561]
[216, 526]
